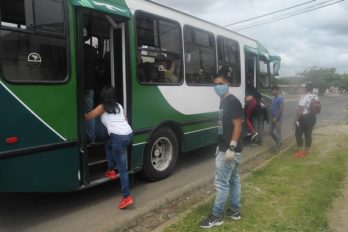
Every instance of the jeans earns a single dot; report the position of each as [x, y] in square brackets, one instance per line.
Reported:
[276, 133]
[90, 124]
[306, 125]
[227, 183]
[116, 152]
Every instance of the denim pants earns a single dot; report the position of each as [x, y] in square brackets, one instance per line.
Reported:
[227, 183]
[276, 133]
[116, 152]
[88, 107]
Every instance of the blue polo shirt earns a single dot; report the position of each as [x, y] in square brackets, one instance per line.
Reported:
[277, 102]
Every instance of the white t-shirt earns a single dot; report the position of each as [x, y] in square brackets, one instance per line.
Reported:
[305, 101]
[116, 123]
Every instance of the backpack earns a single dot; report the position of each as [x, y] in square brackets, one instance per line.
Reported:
[314, 106]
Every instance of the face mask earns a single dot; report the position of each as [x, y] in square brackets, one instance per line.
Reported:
[220, 90]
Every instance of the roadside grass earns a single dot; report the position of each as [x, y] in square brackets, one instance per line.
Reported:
[287, 194]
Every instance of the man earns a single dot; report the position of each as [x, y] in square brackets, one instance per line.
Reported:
[90, 61]
[228, 156]
[305, 121]
[277, 114]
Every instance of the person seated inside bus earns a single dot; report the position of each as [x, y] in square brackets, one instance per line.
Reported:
[141, 70]
[165, 69]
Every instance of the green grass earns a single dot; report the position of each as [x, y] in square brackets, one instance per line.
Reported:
[287, 195]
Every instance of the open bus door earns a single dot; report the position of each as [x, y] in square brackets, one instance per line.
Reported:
[105, 35]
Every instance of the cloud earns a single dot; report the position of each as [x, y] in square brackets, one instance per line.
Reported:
[188, 6]
[317, 38]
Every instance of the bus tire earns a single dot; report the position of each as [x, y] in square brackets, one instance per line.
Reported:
[161, 153]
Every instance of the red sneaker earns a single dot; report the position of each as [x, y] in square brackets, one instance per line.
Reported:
[299, 154]
[110, 174]
[125, 202]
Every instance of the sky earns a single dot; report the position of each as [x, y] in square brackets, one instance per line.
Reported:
[317, 38]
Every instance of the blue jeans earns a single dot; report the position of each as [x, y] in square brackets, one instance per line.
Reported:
[88, 107]
[116, 152]
[276, 133]
[227, 183]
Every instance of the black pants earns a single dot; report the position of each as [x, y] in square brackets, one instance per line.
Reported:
[306, 125]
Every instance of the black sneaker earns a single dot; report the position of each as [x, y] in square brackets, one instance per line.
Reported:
[211, 221]
[254, 136]
[234, 214]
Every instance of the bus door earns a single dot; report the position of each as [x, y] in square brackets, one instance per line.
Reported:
[251, 79]
[102, 62]
[250, 68]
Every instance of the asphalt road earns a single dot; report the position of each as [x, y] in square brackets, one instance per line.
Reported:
[96, 209]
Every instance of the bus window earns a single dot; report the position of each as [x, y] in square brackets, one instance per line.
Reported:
[264, 79]
[159, 50]
[49, 16]
[17, 14]
[200, 57]
[31, 57]
[229, 58]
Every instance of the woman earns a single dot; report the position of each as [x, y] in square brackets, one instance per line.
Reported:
[114, 119]
[305, 121]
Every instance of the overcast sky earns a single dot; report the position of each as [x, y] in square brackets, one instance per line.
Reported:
[318, 38]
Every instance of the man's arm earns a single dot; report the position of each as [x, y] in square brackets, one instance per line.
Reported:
[236, 133]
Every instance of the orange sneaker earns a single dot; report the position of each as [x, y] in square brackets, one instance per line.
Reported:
[299, 154]
[110, 174]
[125, 202]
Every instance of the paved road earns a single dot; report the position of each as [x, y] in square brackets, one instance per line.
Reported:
[96, 209]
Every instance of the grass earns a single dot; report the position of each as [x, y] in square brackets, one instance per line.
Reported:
[287, 195]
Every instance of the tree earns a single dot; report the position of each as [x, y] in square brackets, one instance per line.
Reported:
[324, 78]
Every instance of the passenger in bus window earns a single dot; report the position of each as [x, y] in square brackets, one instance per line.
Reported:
[115, 120]
[228, 156]
[90, 62]
[170, 72]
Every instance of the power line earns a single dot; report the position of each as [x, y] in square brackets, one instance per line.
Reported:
[273, 12]
[286, 14]
[285, 17]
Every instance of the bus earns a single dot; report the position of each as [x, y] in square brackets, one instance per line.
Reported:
[160, 61]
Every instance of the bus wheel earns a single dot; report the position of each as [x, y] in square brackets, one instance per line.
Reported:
[160, 156]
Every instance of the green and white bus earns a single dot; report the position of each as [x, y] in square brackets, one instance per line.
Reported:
[160, 61]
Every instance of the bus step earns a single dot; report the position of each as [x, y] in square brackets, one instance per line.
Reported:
[96, 144]
[95, 180]
[97, 162]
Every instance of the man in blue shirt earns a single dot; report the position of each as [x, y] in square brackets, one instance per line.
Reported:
[277, 114]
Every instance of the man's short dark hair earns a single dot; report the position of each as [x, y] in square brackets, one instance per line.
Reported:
[275, 87]
[224, 73]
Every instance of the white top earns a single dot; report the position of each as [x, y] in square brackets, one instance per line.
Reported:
[305, 101]
[116, 123]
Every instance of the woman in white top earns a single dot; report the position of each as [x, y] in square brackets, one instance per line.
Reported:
[305, 121]
[114, 119]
